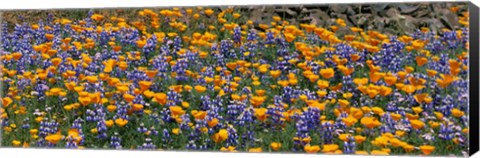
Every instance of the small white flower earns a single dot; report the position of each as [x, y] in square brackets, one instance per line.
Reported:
[34, 93]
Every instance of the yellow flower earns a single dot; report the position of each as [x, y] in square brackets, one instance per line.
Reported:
[200, 89]
[68, 107]
[257, 100]
[25, 145]
[74, 135]
[276, 18]
[434, 124]
[289, 37]
[380, 141]
[33, 131]
[199, 115]
[454, 9]
[322, 84]
[151, 73]
[390, 80]
[370, 122]
[176, 131]
[38, 119]
[420, 98]
[137, 107]
[400, 133]
[111, 108]
[360, 81]
[316, 104]
[341, 22]
[84, 100]
[209, 12]
[53, 138]
[417, 124]
[384, 90]
[343, 103]
[311, 149]
[439, 115]
[221, 136]
[122, 89]
[121, 122]
[431, 73]
[427, 149]
[141, 43]
[378, 110]
[91, 79]
[327, 73]
[395, 142]
[212, 123]
[409, 89]
[176, 110]
[94, 130]
[6, 101]
[283, 83]
[361, 152]
[408, 147]
[328, 148]
[307, 139]
[16, 143]
[260, 113]
[97, 17]
[421, 60]
[255, 150]
[445, 81]
[275, 73]
[161, 98]
[8, 129]
[49, 36]
[417, 110]
[346, 70]
[359, 139]
[144, 85]
[263, 68]
[379, 152]
[229, 148]
[128, 97]
[395, 117]
[349, 121]
[347, 95]
[109, 123]
[275, 146]
[457, 113]
[321, 93]
[412, 116]
[344, 137]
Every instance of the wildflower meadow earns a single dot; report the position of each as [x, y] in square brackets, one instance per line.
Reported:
[210, 79]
